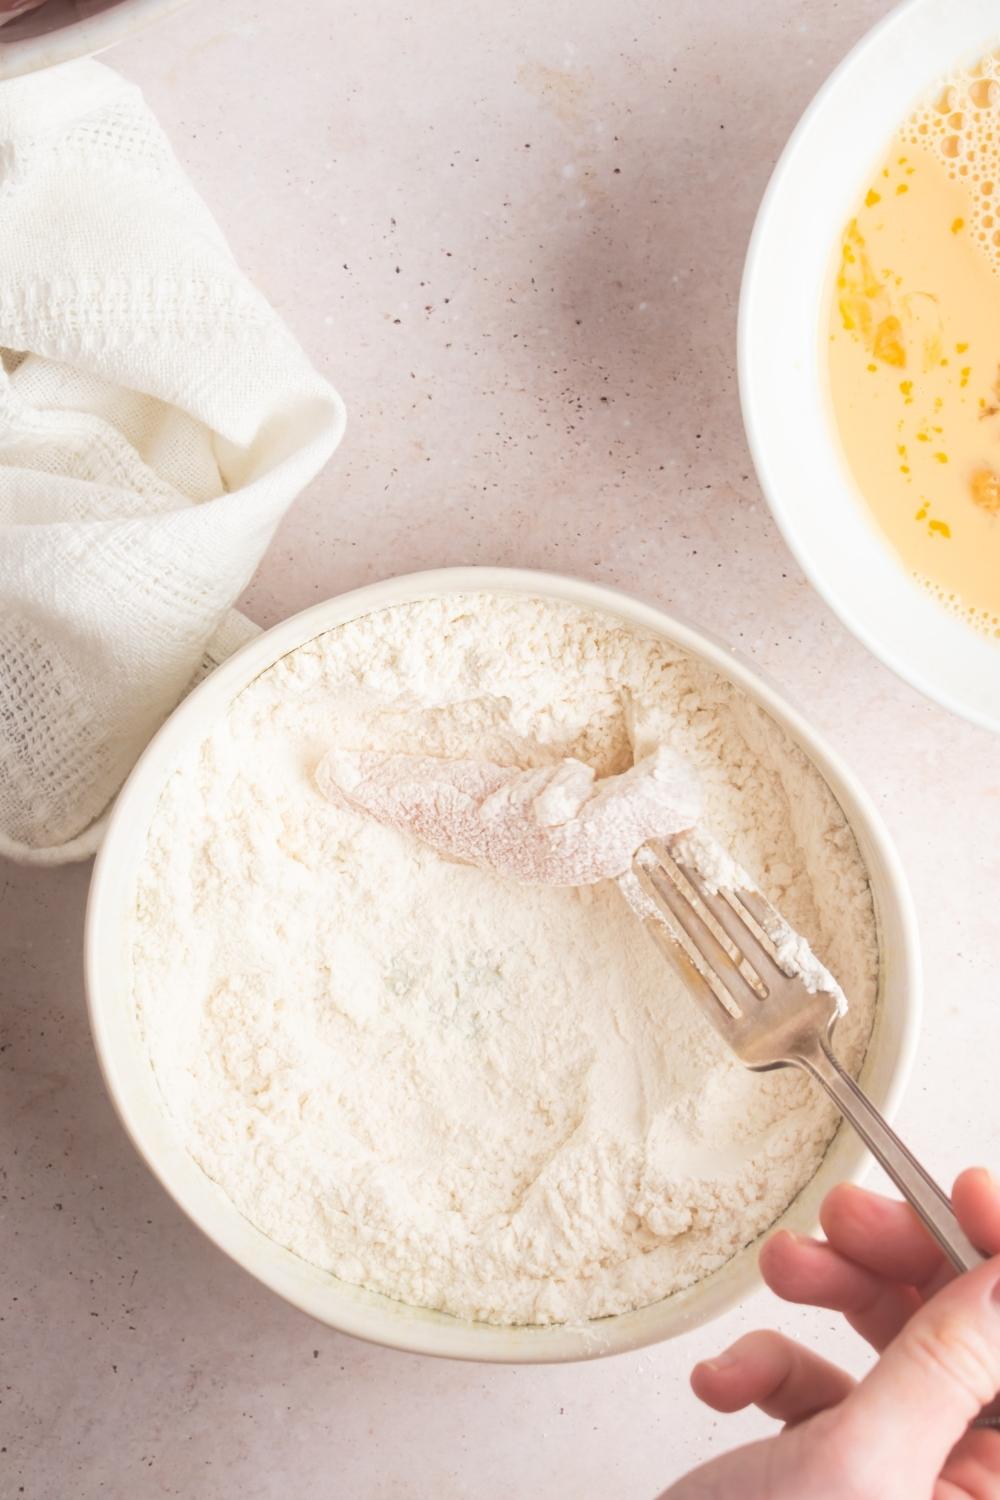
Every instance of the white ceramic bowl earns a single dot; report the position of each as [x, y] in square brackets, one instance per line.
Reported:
[56, 32]
[133, 1088]
[813, 192]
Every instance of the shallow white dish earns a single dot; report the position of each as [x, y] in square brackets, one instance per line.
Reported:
[56, 33]
[134, 1090]
[813, 192]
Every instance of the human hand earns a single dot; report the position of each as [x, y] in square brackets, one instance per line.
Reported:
[901, 1433]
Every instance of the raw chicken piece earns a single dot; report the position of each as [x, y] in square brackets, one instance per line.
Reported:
[556, 825]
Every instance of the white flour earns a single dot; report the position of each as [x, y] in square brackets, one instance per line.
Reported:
[557, 825]
[461, 1092]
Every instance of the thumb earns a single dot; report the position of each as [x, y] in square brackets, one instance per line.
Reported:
[930, 1383]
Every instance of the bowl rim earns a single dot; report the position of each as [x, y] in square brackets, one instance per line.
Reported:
[752, 338]
[81, 36]
[368, 1315]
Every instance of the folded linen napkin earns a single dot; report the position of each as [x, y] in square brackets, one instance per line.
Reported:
[156, 420]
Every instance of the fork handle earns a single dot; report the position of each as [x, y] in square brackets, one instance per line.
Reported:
[913, 1182]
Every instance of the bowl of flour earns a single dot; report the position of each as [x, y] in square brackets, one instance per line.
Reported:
[431, 1106]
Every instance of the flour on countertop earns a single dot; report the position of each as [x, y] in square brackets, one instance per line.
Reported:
[461, 1092]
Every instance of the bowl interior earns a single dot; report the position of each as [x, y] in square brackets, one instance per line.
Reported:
[796, 451]
[134, 1090]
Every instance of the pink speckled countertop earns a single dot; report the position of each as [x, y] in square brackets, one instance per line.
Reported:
[512, 235]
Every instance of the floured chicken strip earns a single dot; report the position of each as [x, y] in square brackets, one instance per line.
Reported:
[555, 825]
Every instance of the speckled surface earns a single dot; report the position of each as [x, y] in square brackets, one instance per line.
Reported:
[513, 237]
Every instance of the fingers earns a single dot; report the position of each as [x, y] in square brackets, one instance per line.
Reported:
[973, 1468]
[881, 1234]
[886, 1236]
[929, 1384]
[767, 1370]
[805, 1270]
[877, 1253]
[976, 1200]
[881, 1238]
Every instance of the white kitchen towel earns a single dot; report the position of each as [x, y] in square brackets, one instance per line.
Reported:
[156, 421]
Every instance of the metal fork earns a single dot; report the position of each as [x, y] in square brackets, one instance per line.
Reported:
[770, 1020]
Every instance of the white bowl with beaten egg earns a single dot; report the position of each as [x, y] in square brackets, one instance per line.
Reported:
[134, 1089]
[813, 193]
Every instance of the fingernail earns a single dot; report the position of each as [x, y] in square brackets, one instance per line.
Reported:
[986, 1177]
[723, 1361]
[796, 1239]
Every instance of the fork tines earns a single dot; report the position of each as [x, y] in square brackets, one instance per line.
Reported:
[716, 938]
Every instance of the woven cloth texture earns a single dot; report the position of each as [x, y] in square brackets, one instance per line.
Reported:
[157, 419]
